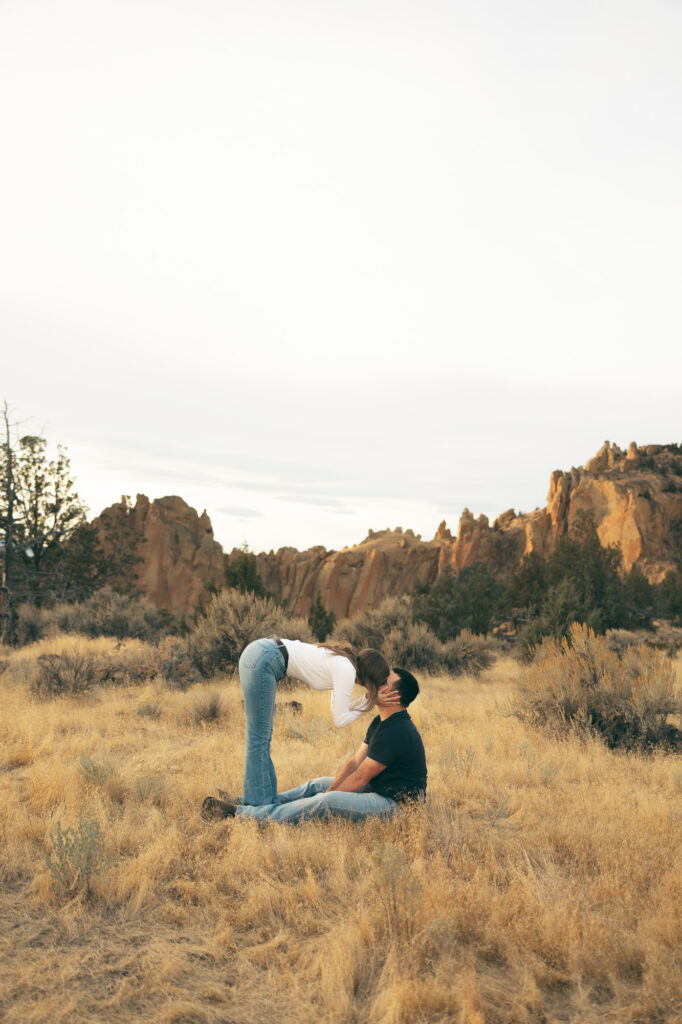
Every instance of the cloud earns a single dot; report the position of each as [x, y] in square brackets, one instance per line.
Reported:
[239, 511]
[312, 499]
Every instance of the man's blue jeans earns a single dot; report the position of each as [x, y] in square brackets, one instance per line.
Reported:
[310, 800]
[261, 667]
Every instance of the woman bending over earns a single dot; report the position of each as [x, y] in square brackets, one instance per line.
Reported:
[335, 667]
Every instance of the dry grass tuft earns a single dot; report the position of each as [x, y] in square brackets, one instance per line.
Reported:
[542, 880]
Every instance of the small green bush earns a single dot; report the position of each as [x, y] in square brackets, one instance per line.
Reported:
[579, 684]
[231, 621]
[77, 858]
[414, 647]
[372, 627]
[468, 654]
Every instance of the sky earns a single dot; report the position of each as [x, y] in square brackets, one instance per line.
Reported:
[319, 267]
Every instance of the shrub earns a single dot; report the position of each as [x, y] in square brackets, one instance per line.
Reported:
[468, 654]
[170, 659]
[73, 672]
[371, 628]
[173, 662]
[207, 708]
[579, 684]
[413, 647]
[129, 666]
[108, 613]
[148, 709]
[150, 788]
[231, 621]
[95, 771]
[33, 623]
[77, 858]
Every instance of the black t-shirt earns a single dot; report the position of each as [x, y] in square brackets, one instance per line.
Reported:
[397, 744]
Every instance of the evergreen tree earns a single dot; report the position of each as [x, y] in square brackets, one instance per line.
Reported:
[668, 596]
[49, 550]
[241, 572]
[320, 620]
[468, 599]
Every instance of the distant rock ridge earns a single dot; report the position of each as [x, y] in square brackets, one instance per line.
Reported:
[635, 498]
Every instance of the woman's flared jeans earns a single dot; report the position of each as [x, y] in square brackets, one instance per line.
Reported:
[261, 667]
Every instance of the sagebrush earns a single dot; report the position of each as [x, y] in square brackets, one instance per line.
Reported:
[77, 859]
[231, 621]
[580, 684]
[392, 629]
[106, 613]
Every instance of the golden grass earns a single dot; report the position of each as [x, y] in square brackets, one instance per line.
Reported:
[542, 882]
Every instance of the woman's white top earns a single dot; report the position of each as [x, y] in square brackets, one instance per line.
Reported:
[324, 670]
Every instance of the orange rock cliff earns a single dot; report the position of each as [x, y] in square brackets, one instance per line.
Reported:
[179, 559]
[635, 498]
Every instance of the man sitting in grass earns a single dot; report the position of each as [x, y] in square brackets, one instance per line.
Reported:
[389, 768]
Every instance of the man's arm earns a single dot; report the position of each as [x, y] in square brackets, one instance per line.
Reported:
[350, 766]
[356, 781]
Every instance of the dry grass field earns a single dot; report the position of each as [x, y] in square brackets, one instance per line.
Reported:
[542, 881]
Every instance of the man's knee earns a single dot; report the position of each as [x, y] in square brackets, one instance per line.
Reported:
[320, 785]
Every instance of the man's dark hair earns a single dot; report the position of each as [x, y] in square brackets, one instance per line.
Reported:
[407, 686]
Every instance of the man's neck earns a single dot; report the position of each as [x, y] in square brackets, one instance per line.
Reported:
[385, 713]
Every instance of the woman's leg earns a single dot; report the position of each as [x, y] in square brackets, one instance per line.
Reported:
[261, 666]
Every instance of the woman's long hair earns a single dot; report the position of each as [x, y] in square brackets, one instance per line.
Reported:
[371, 668]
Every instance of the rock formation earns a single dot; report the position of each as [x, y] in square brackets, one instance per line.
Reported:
[635, 499]
[180, 559]
[387, 562]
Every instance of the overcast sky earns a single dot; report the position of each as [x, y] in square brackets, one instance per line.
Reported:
[324, 266]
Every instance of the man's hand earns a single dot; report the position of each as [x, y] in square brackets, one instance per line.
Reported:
[350, 766]
[361, 776]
